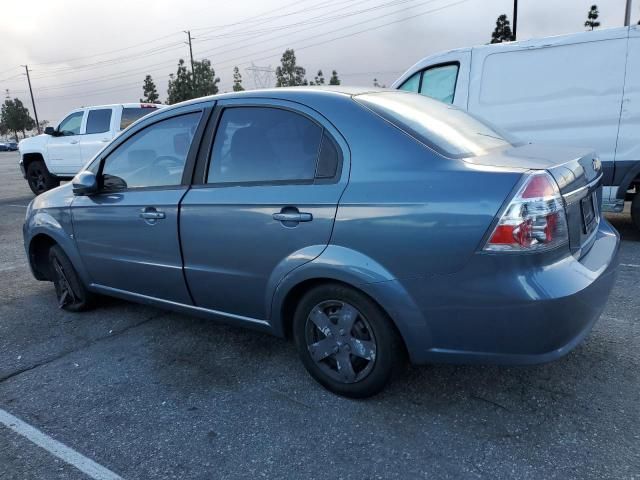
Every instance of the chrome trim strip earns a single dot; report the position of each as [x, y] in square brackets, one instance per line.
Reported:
[568, 197]
[233, 316]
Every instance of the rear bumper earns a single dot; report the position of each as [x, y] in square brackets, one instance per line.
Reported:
[503, 310]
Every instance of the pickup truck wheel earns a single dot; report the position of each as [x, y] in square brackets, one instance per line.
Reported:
[39, 178]
[345, 341]
[72, 294]
[635, 209]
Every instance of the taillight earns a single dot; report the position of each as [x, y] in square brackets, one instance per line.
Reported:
[534, 219]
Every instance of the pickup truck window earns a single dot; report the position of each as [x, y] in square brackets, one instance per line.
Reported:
[71, 124]
[99, 121]
[440, 82]
[130, 115]
[152, 157]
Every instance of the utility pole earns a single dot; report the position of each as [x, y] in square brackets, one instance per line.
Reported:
[515, 19]
[33, 102]
[193, 74]
[627, 14]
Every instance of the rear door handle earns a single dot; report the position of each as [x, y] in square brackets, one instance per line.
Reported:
[293, 217]
[104, 140]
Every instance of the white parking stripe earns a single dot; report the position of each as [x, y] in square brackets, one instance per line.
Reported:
[19, 206]
[57, 449]
[8, 268]
[630, 265]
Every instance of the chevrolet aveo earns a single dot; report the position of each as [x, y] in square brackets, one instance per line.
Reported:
[367, 225]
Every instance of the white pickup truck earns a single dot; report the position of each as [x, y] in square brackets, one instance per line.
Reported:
[61, 152]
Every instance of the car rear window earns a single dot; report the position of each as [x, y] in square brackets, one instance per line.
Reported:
[446, 129]
[130, 115]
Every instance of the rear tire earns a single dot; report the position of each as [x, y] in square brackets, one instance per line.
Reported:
[39, 178]
[71, 293]
[346, 341]
[635, 209]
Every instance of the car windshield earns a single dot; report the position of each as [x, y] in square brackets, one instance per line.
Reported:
[447, 129]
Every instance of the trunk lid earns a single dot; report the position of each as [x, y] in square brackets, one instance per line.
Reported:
[578, 173]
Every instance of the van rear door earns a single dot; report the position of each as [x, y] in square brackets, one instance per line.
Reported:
[560, 91]
[628, 151]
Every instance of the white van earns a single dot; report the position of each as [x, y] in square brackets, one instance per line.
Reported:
[581, 89]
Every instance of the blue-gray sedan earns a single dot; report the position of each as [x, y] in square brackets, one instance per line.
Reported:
[367, 225]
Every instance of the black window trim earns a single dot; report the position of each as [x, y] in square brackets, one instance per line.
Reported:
[205, 156]
[194, 148]
[431, 67]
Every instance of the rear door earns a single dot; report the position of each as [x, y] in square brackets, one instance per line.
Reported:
[127, 234]
[269, 187]
[63, 149]
[99, 126]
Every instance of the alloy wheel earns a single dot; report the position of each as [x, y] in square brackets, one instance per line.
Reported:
[63, 287]
[340, 341]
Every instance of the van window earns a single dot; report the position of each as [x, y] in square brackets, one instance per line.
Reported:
[440, 82]
[448, 130]
[412, 84]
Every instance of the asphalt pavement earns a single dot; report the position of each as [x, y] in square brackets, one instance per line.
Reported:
[148, 394]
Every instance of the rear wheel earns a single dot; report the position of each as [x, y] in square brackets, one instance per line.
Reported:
[345, 341]
[635, 209]
[71, 293]
[39, 178]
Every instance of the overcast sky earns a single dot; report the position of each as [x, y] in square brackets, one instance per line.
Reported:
[94, 52]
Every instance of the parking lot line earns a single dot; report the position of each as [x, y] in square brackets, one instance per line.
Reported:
[630, 265]
[57, 449]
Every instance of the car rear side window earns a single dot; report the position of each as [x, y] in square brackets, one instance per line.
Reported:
[446, 129]
[99, 121]
[130, 115]
[264, 144]
[153, 157]
[412, 84]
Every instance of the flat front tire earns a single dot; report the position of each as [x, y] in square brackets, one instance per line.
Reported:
[70, 292]
[39, 178]
[346, 341]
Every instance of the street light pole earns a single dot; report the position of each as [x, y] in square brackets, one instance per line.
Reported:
[515, 19]
[193, 73]
[33, 102]
[627, 14]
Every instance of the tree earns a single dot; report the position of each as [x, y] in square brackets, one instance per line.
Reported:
[289, 74]
[334, 80]
[592, 17]
[149, 91]
[237, 80]
[180, 85]
[206, 82]
[319, 80]
[15, 117]
[502, 32]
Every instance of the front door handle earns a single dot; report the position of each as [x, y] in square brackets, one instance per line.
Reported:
[104, 140]
[150, 214]
[73, 142]
[293, 217]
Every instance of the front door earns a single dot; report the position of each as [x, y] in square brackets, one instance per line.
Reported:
[267, 204]
[63, 149]
[127, 234]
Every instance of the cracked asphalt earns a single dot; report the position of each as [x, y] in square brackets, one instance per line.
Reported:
[150, 394]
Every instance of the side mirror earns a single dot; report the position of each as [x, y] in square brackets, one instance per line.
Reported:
[85, 183]
[50, 131]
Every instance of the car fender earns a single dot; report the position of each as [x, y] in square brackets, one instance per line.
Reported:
[353, 268]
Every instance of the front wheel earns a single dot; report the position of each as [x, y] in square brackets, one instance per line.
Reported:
[39, 178]
[71, 293]
[345, 341]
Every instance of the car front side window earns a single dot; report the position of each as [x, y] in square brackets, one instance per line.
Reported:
[264, 144]
[440, 82]
[153, 157]
[71, 124]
